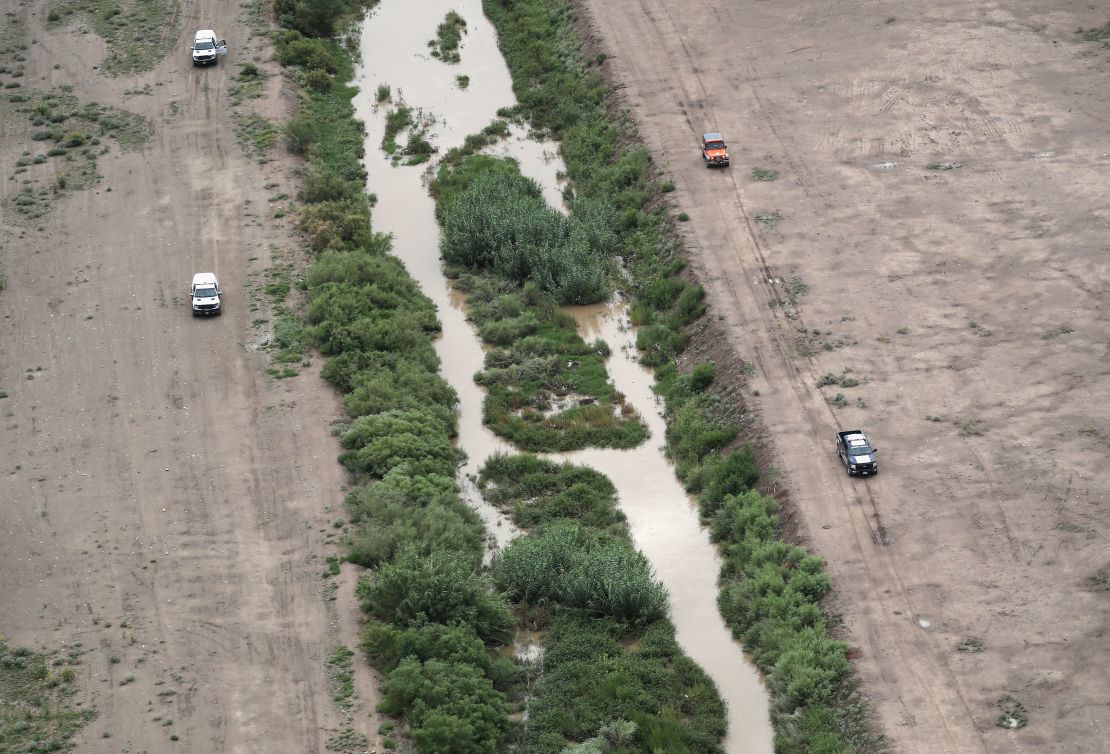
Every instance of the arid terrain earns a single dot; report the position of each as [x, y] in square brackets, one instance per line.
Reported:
[936, 231]
[166, 502]
[925, 236]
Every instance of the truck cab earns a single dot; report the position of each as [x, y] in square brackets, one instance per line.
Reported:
[857, 453]
[714, 151]
[205, 294]
[207, 47]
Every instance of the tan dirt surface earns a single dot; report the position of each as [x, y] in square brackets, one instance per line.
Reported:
[165, 502]
[973, 295]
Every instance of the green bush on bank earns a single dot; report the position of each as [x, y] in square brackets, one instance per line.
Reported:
[433, 610]
[771, 592]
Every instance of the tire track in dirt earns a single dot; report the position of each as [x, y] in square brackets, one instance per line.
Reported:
[170, 502]
[906, 661]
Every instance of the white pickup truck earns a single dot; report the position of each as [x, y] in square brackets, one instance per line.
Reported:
[207, 47]
[205, 294]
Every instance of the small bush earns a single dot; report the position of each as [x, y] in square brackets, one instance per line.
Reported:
[445, 588]
[318, 81]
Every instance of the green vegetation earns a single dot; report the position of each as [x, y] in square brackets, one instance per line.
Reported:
[37, 710]
[396, 121]
[250, 83]
[518, 259]
[764, 174]
[500, 222]
[611, 668]
[1096, 34]
[340, 669]
[256, 135]
[636, 692]
[448, 36]
[583, 572]
[76, 133]
[536, 492]
[139, 33]
[426, 592]
[547, 389]
[771, 591]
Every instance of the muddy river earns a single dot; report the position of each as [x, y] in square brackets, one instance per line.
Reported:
[662, 519]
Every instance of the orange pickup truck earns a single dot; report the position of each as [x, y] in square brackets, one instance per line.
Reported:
[714, 151]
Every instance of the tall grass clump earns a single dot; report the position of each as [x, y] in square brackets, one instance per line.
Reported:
[501, 222]
[771, 592]
[432, 609]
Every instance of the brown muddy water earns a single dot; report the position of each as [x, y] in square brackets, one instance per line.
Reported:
[662, 518]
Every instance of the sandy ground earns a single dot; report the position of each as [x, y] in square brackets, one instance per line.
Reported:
[165, 502]
[973, 295]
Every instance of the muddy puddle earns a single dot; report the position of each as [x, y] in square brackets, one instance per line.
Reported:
[662, 519]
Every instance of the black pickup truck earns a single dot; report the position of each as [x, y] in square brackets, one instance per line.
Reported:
[857, 452]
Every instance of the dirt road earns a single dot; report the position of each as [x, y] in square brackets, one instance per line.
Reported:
[165, 501]
[938, 226]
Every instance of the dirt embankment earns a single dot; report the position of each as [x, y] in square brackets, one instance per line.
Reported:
[166, 502]
[930, 226]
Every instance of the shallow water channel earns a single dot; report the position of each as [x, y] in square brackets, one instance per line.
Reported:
[662, 519]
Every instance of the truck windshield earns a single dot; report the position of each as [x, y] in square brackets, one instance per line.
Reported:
[859, 451]
[205, 44]
[715, 145]
[205, 293]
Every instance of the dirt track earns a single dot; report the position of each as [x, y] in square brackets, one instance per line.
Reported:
[164, 499]
[973, 295]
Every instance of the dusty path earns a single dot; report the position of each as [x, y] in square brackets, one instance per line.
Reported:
[971, 295]
[164, 499]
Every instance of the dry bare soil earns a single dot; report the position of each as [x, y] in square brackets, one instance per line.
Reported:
[938, 226]
[165, 501]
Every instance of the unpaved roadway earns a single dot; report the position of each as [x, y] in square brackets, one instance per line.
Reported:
[165, 501]
[972, 293]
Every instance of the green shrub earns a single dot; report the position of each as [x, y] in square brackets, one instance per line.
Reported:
[386, 519]
[442, 587]
[300, 134]
[500, 221]
[310, 54]
[318, 81]
[538, 491]
[388, 645]
[702, 376]
[340, 224]
[591, 679]
[415, 438]
[323, 185]
[452, 708]
[568, 564]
